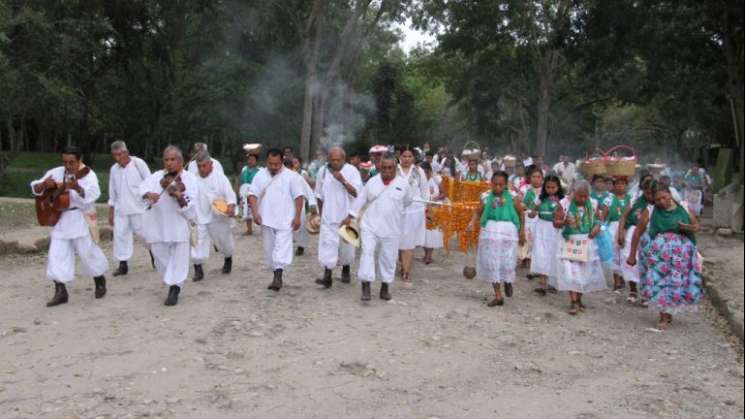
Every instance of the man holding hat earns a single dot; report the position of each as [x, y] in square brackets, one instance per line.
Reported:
[383, 200]
[214, 226]
[337, 185]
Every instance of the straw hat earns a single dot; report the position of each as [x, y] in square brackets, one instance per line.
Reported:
[220, 207]
[350, 234]
[313, 224]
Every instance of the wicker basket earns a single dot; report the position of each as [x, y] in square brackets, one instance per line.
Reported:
[621, 166]
[594, 167]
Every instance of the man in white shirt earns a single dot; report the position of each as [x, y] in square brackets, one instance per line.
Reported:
[383, 200]
[337, 185]
[566, 171]
[71, 234]
[201, 148]
[213, 228]
[125, 204]
[276, 198]
[171, 196]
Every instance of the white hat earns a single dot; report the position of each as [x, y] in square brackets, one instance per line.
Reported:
[378, 149]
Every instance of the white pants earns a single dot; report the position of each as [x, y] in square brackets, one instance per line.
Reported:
[387, 249]
[172, 261]
[332, 250]
[277, 247]
[218, 233]
[124, 227]
[301, 236]
[61, 263]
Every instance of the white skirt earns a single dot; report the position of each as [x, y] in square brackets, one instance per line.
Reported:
[545, 243]
[433, 239]
[581, 277]
[629, 273]
[496, 260]
[414, 228]
[526, 251]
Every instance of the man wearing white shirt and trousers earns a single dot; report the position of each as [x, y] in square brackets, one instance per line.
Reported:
[171, 196]
[383, 200]
[276, 198]
[337, 186]
[72, 234]
[211, 227]
[125, 204]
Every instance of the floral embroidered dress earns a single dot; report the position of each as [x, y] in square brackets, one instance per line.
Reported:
[671, 272]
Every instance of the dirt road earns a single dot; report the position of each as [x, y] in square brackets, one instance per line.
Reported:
[232, 349]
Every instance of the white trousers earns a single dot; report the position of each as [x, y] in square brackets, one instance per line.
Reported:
[125, 226]
[387, 250]
[301, 236]
[61, 263]
[277, 247]
[332, 250]
[218, 233]
[172, 261]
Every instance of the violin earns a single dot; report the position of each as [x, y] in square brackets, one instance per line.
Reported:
[53, 201]
[171, 183]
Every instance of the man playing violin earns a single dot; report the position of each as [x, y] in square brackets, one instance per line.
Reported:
[71, 234]
[171, 196]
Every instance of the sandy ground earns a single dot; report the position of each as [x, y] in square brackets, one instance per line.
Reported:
[232, 349]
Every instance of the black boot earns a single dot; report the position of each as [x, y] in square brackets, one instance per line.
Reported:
[152, 259]
[276, 284]
[100, 286]
[366, 291]
[123, 269]
[173, 293]
[198, 273]
[508, 291]
[227, 267]
[60, 295]
[326, 281]
[384, 294]
[300, 251]
[346, 274]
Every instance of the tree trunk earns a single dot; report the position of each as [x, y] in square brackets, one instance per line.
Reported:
[311, 49]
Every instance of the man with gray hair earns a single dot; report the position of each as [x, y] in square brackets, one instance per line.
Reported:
[171, 196]
[200, 149]
[213, 227]
[337, 186]
[125, 205]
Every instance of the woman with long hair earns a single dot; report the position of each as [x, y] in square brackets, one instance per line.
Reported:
[414, 222]
[546, 236]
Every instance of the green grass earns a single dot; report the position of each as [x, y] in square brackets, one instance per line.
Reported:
[16, 183]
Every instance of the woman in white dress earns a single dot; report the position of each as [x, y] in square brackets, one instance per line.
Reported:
[546, 236]
[414, 225]
[433, 237]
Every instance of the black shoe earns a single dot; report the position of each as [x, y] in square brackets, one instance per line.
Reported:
[100, 286]
[173, 293]
[346, 274]
[326, 281]
[152, 259]
[366, 291]
[227, 267]
[60, 295]
[198, 273]
[384, 294]
[508, 289]
[123, 269]
[276, 284]
[300, 251]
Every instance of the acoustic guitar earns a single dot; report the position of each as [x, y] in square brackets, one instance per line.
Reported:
[51, 203]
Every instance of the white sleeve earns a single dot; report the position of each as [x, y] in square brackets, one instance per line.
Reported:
[38, 181]
[91, 191]
[228, 191]
[423, 185]
[112, 189]
[359, 202]
[298, 189]
[320, 184]
[257, 184]
[142, 168]
[147, 186]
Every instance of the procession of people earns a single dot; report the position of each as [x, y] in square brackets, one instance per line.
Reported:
[573, 233]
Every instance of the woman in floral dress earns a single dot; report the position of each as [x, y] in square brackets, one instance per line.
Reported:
[671, 272]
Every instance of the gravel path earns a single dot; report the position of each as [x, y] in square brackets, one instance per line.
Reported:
[232, 349]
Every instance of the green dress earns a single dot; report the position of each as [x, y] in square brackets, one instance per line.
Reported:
[504, 210]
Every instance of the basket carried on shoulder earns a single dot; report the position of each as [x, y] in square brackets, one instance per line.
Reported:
[621, 166]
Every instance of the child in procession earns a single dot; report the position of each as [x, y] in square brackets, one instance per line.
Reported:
[626, 228]
[433, 237]
[502, 231]
[546, 236]
[530, 193]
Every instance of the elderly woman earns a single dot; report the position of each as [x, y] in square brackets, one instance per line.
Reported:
[671, 271]
[580, 224]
